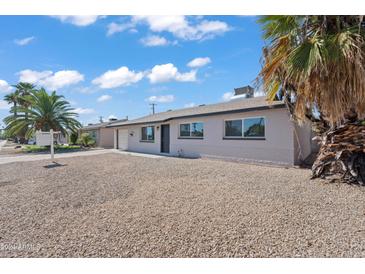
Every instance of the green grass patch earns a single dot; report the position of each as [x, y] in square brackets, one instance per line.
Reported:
[57, 148]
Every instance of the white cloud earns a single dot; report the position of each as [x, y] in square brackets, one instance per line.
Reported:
[209, 29]
[199, 62]
[189, 105]
[51, 80]
[4, 105]
[168, 72]
[24, 41]
[182, 28]
[5, 87]
[78, 20]
[104, 98]
[187, 76]
[228, 96]
[84, 110]
[32, 76]
[119, 77]
[115, 28]
[161, 99]
[155, 41]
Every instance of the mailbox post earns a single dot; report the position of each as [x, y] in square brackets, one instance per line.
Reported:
[52, 144]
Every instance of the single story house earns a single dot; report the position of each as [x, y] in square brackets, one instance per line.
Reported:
[248, 129]
[103, 136]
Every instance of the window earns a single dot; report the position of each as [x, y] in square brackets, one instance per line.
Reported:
[233, 128]
[245, 128]
[148, 134]
[185, 130]
[197, 130]
[254, 127]
[192, 130]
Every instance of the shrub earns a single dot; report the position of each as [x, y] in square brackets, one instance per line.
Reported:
[73, 137]
[86, 140]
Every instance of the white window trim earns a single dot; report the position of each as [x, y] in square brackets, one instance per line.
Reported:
[243, 128]
[190, 137]
[154, 133]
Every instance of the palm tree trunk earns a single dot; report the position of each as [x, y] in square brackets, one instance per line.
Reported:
[15, 112]
[15, 115]
[342, 154]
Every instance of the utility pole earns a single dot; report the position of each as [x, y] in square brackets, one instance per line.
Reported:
[100, 119]
[153, 107]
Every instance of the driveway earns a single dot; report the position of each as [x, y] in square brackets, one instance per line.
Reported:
[117, 205]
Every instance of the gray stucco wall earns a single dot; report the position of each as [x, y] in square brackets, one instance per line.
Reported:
[106, 138]
[278, 146]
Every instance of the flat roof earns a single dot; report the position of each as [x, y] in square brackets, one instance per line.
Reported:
[235, 105]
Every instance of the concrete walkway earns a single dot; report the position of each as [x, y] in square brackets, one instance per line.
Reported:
[37, 157]
[137, 154]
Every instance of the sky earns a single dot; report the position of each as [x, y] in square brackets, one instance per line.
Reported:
[115, 66]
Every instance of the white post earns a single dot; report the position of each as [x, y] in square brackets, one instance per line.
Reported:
[52, 145]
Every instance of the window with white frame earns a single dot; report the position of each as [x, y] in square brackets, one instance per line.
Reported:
[148, 134]
[191, 130]
[245, 128]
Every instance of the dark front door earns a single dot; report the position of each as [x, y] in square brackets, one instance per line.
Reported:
[165, 138]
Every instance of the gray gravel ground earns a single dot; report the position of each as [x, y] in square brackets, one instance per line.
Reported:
[114, 205]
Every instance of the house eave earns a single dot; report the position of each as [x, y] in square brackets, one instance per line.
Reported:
[268, 107]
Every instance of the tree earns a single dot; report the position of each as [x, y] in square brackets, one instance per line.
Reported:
[24, 90]
[13, 98]
[45, 112]
[318, 62]
[74, 137]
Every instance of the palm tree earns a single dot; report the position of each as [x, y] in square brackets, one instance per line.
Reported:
[13, 98]
[24, 90]
[319, 62]
[45, 112]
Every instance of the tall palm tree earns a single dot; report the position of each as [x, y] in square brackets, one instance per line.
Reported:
[45, 112]
[319, 62]
[13, 98]
[24, 90]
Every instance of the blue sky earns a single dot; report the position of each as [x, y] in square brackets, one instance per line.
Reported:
[117, 65]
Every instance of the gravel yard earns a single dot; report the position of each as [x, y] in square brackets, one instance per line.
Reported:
[114, 205]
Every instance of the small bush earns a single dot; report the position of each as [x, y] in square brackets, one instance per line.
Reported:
[73, 138]
[86, 140]
[35, 148]
[57, 148]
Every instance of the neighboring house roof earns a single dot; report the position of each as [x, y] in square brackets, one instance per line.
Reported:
[101, 125]
[237, 105]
